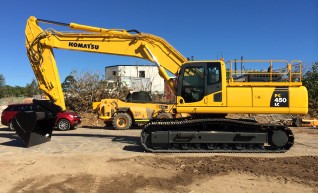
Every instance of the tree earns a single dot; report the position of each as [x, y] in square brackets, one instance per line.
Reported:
[2, 80]
[310, 81]
[82, 89]
[17, 91]
[68, 83]
[32, 89]
[2, 86]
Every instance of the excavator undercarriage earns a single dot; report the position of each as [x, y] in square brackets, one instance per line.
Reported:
[215, 135]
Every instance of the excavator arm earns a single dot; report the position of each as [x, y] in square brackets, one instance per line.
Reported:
[40, 44]
[36, 127]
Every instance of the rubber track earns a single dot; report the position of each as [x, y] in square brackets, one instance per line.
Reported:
[186, 124]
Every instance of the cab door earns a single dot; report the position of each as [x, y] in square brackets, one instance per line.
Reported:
[214, 87]
[200, 87]
[191, 85]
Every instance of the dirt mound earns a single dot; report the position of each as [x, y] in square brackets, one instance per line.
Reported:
[189, 170]
[298, 169]
[91, 120]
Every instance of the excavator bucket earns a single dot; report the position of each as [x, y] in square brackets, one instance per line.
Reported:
[36, 127]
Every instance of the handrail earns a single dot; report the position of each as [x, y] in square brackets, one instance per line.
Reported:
[289, 74]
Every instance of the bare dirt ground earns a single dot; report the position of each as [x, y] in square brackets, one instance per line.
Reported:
[98, 159]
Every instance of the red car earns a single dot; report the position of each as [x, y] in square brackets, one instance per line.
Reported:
[64, 120]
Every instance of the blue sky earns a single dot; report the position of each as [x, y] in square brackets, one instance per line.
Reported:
[254, 29]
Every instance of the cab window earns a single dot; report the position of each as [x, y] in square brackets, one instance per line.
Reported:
[214, 75]
[193, 84]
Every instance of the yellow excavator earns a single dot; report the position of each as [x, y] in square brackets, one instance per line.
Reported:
[207, 90]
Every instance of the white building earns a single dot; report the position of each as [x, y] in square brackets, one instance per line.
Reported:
[137, 77]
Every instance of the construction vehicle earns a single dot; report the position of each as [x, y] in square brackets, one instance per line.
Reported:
[137, 109]
[208, 90]
[297, 121]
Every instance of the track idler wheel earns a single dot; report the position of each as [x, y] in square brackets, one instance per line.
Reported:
[279, 139]
[33, 127]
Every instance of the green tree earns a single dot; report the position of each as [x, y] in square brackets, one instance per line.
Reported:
[310, 80]
[68, 83]
[17, 91]
[82, 89]
[2, 86]
[32, 89]
[29, 90]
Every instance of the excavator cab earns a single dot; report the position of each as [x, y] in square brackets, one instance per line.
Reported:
[198, 80]
[35, 127]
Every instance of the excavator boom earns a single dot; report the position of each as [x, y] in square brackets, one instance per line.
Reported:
[40, 46]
